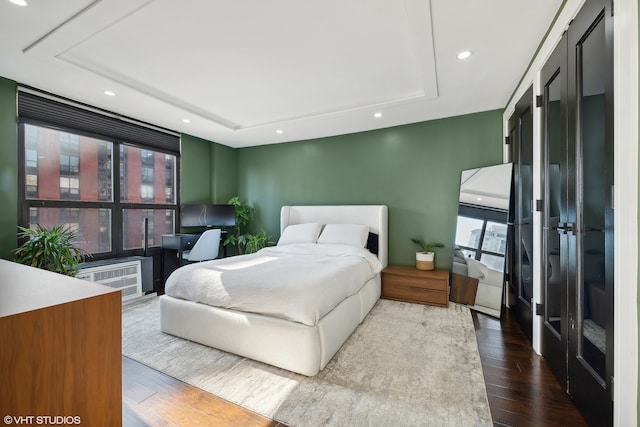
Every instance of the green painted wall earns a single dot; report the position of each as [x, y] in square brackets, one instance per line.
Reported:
[207, 171]
[195, 170]
[413, 169]
[224, 161]
[8, 168]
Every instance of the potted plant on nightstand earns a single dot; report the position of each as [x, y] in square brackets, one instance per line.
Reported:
[425, 257]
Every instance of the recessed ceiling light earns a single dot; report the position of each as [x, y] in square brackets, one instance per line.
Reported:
[464, 54]
[109, 93]
[377, 115]
[279, 131]
[19, 2]
[186, 121]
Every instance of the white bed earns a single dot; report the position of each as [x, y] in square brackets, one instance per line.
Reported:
[299, 342]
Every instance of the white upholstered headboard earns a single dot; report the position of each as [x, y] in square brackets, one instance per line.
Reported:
[375, 216]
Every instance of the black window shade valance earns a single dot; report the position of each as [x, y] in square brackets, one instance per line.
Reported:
[61, 113]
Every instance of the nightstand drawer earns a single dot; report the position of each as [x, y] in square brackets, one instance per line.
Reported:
[417, 294]
[417, 282]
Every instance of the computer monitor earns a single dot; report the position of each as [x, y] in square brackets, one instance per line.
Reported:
[203, 215]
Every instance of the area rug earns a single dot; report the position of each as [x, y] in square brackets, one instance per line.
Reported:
[405, 365]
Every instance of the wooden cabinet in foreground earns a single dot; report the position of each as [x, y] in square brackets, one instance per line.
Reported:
[60, 348]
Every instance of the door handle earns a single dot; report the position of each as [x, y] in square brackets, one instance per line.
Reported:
[564, 228]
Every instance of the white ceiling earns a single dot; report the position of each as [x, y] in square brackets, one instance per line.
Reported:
[488, 187]
[241, 70]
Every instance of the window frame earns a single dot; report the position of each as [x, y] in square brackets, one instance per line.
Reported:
[485, 215]
[116, 206]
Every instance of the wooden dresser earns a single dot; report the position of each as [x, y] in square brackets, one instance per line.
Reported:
[406, 283]
[60, 348]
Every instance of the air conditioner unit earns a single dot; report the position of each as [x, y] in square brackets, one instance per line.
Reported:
[125, 276]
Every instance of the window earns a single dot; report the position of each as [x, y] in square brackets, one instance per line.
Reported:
[69, 177]
[53, 166]
[482, 239]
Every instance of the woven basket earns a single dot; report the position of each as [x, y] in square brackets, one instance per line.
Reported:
[424, 265]
[424, 261]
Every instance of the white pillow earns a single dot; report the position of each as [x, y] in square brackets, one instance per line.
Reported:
[300, 233]
[476, 269]
[345, 234]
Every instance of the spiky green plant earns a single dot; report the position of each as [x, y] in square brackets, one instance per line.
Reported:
[426, 247]
[50, 249]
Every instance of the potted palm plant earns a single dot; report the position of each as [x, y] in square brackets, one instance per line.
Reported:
[426, 256]
[50, 249]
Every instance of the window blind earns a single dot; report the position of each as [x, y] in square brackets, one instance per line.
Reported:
[60, 112]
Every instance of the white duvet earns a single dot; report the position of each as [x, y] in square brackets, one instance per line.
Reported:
[298, 282]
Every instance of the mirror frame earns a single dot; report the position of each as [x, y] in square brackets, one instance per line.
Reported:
[485, 196]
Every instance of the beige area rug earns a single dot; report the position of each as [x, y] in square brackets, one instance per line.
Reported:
[405, 365]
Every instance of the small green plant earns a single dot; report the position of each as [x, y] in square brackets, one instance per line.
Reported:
[245, 242]
[50, 249]
[426, 247]
[255, 242]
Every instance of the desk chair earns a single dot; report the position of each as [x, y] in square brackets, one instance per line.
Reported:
[205, 248]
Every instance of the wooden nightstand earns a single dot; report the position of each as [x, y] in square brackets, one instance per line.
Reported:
[405, 283]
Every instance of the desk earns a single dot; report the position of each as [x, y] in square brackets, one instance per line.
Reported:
[171, 245]
[179, 243]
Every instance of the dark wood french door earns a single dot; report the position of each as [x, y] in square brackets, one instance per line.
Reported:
[521, 241]
[577, 243]
[555, 236]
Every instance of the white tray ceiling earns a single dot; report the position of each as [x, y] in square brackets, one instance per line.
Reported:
[239, 71]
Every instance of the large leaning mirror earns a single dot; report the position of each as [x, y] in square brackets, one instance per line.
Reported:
[481, 237]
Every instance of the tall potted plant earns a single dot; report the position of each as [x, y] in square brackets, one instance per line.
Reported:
[426, 256]
[243, 212]
[50, 249]
[245, 242]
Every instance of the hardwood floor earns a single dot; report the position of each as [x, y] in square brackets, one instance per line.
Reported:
[520, 388]
[151, 398]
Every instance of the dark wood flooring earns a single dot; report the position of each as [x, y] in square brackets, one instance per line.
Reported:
[151, 398]
[520, 388]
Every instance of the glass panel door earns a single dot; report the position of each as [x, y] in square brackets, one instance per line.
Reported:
[555, 237]
[577, 337]
[554, 161]
[521, 268]
[593, 204]
[590, 361]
